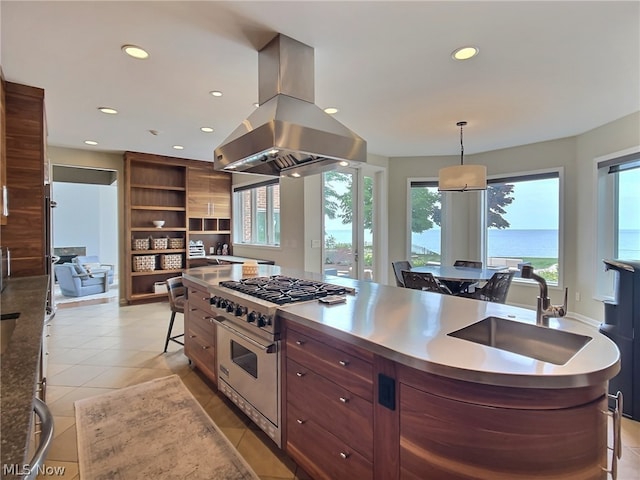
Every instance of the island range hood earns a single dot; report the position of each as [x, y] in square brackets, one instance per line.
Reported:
[288, 135]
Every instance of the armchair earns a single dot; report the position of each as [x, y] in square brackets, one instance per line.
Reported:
[87, 263]
[74, 284]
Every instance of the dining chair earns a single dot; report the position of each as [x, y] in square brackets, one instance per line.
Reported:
[398, 267]
[177, 298]
[463, 287]
[495, 290]
[424, 281]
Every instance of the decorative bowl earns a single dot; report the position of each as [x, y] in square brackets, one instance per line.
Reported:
[158, 223]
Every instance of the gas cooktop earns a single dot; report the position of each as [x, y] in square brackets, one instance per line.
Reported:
[281, 289]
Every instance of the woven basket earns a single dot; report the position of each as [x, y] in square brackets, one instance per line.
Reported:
[159, 243]
[140, 244]
[171, 261]
[144, 263]
[176, 243]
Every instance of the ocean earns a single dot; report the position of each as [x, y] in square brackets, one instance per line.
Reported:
[510, 243]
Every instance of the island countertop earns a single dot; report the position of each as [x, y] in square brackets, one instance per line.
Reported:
[411, 327]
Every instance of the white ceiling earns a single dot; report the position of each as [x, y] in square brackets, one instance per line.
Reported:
[546, 70]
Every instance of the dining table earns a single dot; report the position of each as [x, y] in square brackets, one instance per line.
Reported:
[457, 279]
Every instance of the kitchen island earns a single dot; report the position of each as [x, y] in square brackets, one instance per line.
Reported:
[376, 387]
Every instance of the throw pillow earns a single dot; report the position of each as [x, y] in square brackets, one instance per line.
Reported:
[91, 267]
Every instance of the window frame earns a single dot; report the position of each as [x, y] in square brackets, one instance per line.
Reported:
[513, 177]
[269, 212]
[606, 204]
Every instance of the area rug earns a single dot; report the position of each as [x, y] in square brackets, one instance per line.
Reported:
[154, 430]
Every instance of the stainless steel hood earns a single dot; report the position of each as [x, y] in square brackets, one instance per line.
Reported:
[288, 135]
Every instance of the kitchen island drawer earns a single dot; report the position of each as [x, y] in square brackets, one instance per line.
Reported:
[339, 366]
[199, 298]
[320, 453]
[199, 346]
[348, 416]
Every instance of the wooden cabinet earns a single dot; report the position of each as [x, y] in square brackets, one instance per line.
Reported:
[3, 156]
[209, 205]
[23, 231]
[155, 189]
[191, 198]
[460, 430]
[329, 405]
[200, 331]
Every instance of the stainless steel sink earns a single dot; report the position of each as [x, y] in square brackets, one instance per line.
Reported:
[541, 343]
[7, 325]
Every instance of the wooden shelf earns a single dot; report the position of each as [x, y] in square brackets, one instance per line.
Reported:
[151, 252]
[209, 232]
[158, 208]
[156, 272]
[159, 187]
[158, 230]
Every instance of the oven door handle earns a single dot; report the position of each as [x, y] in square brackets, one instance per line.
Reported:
[267, 348]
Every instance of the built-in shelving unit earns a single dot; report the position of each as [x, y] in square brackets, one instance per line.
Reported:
[191, 198]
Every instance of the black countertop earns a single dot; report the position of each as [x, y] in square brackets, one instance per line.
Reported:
[19, 365]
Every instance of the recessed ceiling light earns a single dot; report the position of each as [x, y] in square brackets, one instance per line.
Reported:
[135, 52]
[465, 53]
[216, 93]
[108, 110]
[331, 110]
[90, 142]
[206, 129]
[256, 104]
[178, 147]
[344, 163]
[295, 175]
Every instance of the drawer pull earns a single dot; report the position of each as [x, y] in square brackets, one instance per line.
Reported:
[192, 309]
[192, 336]
[300, 421]
[205, 299]
[300, 342]
[344, 363]
[299, 374]
[205, 347]
[344, 455]
[344, 399]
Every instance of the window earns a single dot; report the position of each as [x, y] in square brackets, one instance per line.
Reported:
[425, 219]
[523, 223]
[256, 212]
[618, 226]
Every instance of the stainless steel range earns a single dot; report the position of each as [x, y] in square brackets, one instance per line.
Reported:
[248, 345]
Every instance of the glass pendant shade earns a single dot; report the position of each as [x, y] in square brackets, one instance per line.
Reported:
[461, 178]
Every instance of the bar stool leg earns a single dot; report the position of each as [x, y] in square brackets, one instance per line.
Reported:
[166, 343]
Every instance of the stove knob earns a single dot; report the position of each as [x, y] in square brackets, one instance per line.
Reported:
[262, 320]
[213, 301]
[230, 307]
[252, 317]
[240, 310]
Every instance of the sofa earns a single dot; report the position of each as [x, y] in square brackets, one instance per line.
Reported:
[75, 284]
[88, 263]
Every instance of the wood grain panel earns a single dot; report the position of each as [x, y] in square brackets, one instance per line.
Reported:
[24, 231]
[452, 439]
[498, 396]
[341, 367]
[3, 151]
[386, 424]
[333, 408]
[321, 454]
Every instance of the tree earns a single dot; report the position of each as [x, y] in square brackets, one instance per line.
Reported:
[425, 204]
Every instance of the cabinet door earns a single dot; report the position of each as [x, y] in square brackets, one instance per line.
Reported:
[198, 193]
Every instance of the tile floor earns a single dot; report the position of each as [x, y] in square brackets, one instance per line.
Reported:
[97, 347]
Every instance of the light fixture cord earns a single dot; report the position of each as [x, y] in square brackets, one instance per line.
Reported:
[461, 147]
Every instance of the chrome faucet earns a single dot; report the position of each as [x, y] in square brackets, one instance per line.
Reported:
[545, 310]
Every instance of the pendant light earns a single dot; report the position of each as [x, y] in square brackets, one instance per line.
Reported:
[462, 178]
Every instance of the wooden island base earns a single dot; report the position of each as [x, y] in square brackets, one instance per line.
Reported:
[440, 428]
